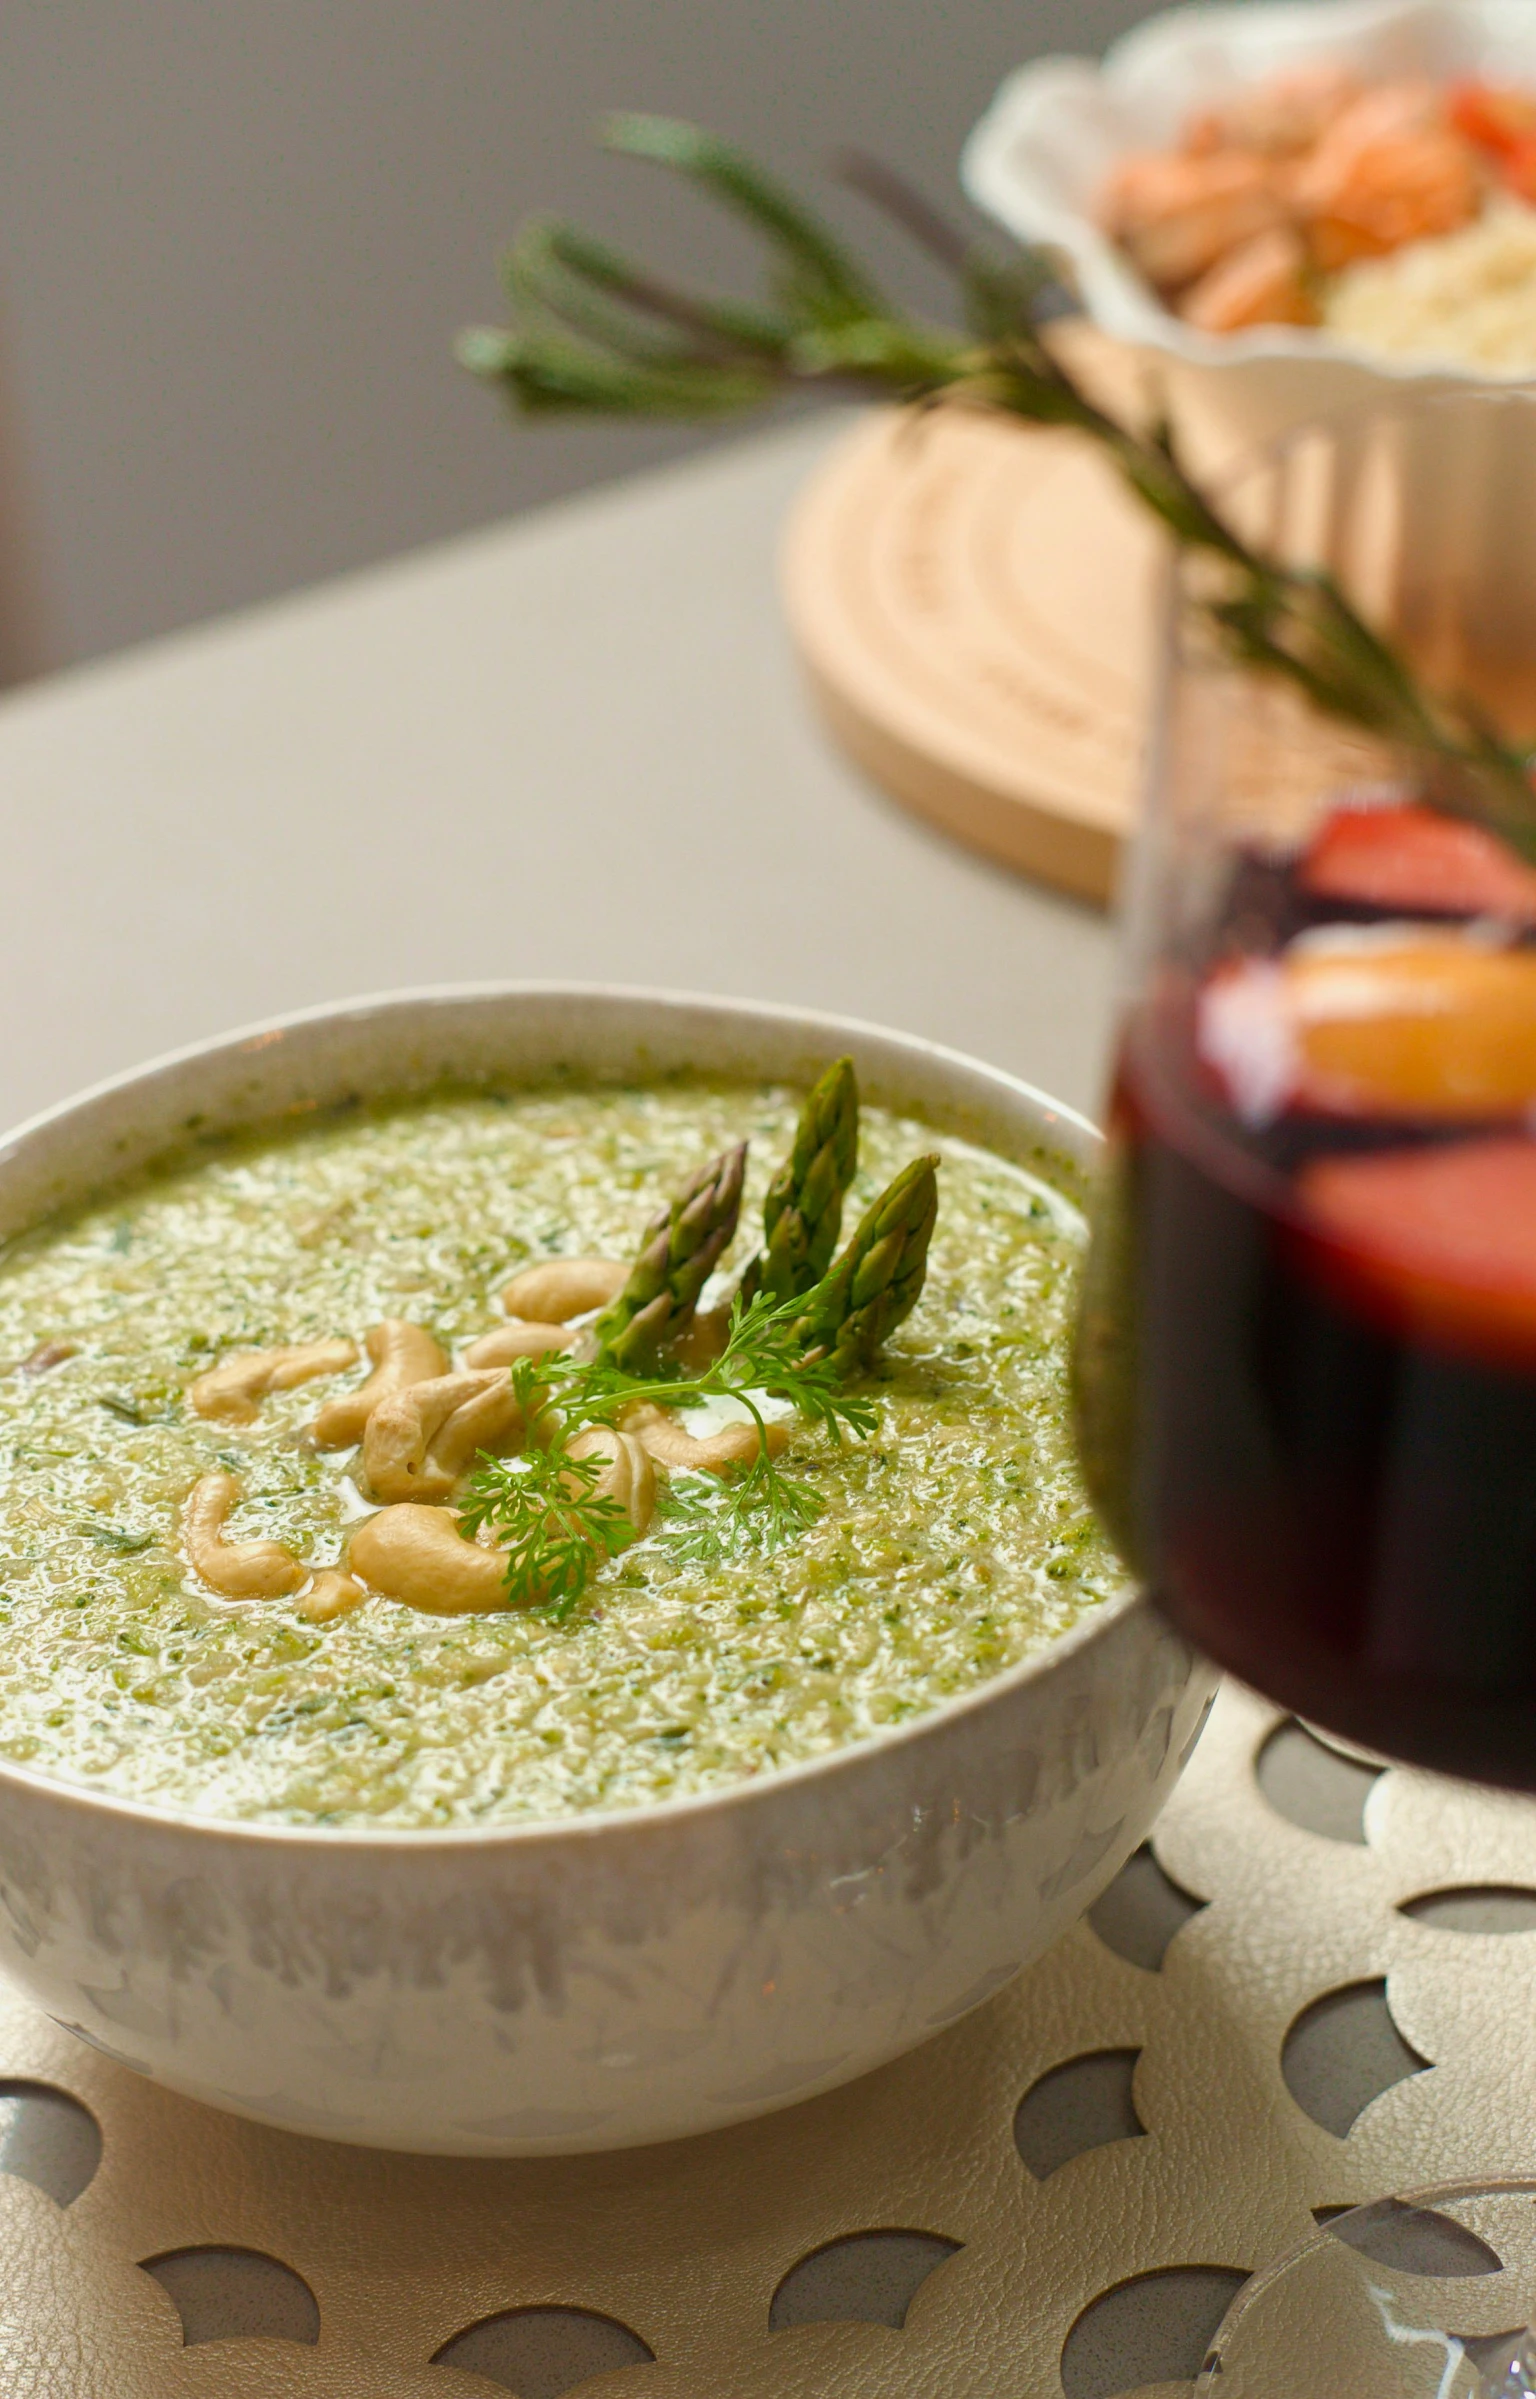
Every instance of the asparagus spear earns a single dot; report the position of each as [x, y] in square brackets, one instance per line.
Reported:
[682, 1246]
[877, 1280]
[803, 1211]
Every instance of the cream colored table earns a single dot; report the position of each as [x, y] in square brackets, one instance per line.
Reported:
[574, 746]
[577, 747]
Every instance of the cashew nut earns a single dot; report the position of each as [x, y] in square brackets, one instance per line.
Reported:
[331, 1594]
[420, 1441]
[402, 1354]
[672, 1445]
[235, 1569]
[418, 1556]
[563, 1287]
[518, 1338]
[230, 1393]
[629, 1477]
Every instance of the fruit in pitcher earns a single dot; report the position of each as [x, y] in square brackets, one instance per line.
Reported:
[1373, 1022]
[1444, 1239]
[1412, 860]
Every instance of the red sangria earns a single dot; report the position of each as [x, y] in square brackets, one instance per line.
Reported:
[1307, 1354]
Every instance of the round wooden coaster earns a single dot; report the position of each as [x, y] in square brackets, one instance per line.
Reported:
[973, 604]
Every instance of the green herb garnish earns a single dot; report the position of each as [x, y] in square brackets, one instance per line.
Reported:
[115, 1538]
[555, 1527]
[594, 332]
[755, 1509]
[131, 1411]
[802, 1349]
[765, 1350]
[543, 1507]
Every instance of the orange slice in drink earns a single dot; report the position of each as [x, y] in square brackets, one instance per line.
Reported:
[1410, 859]
[1438, 1028]
[1439, 1241]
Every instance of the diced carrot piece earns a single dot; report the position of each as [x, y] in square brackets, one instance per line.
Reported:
[1390, 170]
[1519, 172]
[1410, 858]
[1419, 1028]
[1497, 116]
[1440, 1241]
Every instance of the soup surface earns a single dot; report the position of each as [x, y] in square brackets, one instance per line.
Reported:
[953, 1543]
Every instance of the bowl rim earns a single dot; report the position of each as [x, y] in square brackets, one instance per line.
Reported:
[1114, 297]
[87, 1801]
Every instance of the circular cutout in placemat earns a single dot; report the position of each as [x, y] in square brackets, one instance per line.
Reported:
[972, 601]
[1060, 2193]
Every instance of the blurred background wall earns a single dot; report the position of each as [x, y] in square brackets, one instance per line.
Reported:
[237, 237]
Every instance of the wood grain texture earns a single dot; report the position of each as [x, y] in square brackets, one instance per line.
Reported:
[972, 603]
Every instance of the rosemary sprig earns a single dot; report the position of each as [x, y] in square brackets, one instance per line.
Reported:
[593, 331]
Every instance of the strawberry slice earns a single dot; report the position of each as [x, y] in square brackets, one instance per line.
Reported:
[1436, 1242]
[1409, 858]
[1376, 1023]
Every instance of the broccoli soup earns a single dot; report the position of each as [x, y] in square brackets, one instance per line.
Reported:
[486, 1457]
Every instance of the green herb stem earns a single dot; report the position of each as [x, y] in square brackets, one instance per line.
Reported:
[594, 333]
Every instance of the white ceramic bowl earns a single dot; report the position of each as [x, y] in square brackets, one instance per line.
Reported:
[608, 1979]
[1039, 157]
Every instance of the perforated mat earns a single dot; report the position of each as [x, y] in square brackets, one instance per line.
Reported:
[1316, 1988]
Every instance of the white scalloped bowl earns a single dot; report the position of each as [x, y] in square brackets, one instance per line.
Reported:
[1039, 157]
[606, 1979]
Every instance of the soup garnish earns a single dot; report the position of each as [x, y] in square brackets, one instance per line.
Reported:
[298, 1521]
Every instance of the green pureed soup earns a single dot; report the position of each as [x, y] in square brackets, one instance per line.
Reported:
[951, 1543]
